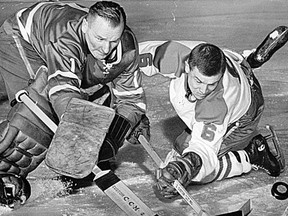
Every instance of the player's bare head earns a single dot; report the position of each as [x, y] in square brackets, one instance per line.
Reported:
[208, 58]
[207, 65]
[104, 28]
[110, 11]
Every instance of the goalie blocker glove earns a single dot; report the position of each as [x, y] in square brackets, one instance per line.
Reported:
[183, 169]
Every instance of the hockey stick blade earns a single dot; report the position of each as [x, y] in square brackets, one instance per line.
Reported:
[243, 211]
[116, 190]
[177, 185]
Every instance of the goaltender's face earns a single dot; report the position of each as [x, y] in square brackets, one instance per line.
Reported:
[101, 36]
[200, 84]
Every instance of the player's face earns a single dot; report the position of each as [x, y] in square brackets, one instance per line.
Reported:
[101, 36]
[200, 84]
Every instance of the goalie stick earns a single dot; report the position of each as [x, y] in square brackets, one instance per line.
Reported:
[106, 180]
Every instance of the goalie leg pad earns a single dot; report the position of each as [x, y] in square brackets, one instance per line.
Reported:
[24, 139]
[119, 129]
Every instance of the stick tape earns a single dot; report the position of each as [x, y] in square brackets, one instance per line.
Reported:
[111, 185]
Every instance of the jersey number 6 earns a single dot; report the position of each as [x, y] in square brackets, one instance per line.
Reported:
[208, 132]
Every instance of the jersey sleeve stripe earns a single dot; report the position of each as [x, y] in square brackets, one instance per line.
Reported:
[30, 17]
[21, 27]
[62, 87]
[135, 80]
[65, 74]
[141, 105]
[127, 93]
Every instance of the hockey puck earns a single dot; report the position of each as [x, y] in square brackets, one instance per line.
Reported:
[278, 190]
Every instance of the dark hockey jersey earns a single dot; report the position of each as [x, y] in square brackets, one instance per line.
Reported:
[54, 31]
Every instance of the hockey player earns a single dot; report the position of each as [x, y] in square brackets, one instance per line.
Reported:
[58, 51]
[216, 94]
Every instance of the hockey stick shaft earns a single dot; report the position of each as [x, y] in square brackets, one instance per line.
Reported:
[177, 185]
[107, 181]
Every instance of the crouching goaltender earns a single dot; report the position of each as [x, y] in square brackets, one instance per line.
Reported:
[57, 52]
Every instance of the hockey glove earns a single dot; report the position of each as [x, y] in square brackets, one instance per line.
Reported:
[14, 190]
[24, 138]
[183, 169]
[142, 128]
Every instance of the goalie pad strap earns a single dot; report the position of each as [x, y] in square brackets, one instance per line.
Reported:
[114, 139]
[106, 181]
[119, 129]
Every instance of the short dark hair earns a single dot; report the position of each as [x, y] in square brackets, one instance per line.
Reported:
[208, 58]
[109, 10]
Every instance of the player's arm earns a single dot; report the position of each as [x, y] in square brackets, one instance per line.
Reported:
[164, 57]
[197, 162]
[129, 95]
[130, 102]
[64, 62]
[206, 142]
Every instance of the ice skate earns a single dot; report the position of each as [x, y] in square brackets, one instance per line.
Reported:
[265, 154]
[274, 41]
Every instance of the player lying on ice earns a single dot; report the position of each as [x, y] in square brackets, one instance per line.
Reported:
[84, 53]
[216, 94]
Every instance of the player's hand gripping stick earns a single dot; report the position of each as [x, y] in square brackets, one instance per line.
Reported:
[107, 181]
[177, 185]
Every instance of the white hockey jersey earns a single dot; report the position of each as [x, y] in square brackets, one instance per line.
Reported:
[210, 118]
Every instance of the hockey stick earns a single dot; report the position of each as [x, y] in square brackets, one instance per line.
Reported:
[107, 181]
[177, 185]
[243, 211]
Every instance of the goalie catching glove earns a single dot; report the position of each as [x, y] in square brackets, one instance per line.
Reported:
[183, 169]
